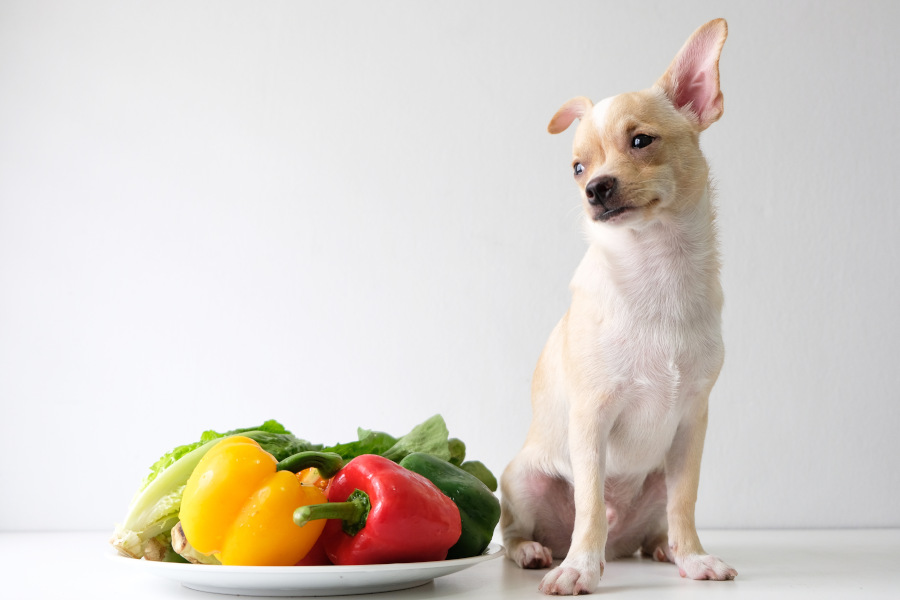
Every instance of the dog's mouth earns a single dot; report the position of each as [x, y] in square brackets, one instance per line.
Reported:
[612, 213]
[607, 214]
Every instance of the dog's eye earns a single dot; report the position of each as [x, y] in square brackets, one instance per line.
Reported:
[579, 168]
[641, 141]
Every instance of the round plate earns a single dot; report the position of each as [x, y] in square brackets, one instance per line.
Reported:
[331, 580]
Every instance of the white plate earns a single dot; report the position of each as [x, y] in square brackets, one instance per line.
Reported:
[329, 580]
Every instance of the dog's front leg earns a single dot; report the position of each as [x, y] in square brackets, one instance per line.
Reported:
[682, 480]
[583, 566]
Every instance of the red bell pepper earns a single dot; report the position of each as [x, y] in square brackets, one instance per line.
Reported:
[380, 513]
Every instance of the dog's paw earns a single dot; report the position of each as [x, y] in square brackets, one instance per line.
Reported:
[662, 554]
[531, 555]
[705, 566]
[658, 550]
[573, 577]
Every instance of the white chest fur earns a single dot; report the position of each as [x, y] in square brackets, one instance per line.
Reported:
[653, 299]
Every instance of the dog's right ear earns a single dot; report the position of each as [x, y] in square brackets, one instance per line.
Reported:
[575, 108]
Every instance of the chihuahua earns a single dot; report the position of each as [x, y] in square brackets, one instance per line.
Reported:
[611, 462]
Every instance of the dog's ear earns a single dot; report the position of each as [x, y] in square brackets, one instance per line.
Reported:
[692, 80]
[571, 110]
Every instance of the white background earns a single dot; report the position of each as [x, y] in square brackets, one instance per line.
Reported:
[351, 214]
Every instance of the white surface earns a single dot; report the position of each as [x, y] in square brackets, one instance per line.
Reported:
[775, 565]
[306, 581]
[213, 213]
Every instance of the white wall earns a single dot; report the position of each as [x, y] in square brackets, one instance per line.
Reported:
[344, 214]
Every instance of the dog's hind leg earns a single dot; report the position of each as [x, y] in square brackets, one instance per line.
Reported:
[537, 515]
[655, 544]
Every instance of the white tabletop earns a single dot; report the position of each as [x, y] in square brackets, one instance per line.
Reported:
[771, 564]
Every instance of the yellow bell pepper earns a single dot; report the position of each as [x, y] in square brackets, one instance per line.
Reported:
[238, 506]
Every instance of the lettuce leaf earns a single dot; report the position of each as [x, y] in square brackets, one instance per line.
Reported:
[281, 441]
[430, 437]
[144, 533]
[368, 442]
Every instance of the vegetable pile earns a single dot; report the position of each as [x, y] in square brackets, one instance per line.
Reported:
[261, 496]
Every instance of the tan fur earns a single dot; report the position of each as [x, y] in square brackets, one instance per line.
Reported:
[611, 463]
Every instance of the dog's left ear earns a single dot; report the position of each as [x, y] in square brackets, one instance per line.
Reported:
[692, 80]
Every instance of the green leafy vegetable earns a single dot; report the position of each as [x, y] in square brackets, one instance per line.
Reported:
[430, 437]
[369, 442]
[457, 451]
[280, 435]
[154, 510]
[477, 468]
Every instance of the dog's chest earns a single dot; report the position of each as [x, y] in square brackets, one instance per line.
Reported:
[656, 377]
[655, 348]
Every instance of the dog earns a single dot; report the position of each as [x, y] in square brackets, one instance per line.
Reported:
[611, 462]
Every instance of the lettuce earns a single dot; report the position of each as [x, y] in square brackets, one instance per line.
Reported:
[281, 440]
[369, 442]
[430, 437]
[145, 531]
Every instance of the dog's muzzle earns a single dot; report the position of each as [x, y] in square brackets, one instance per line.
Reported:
[602, 195]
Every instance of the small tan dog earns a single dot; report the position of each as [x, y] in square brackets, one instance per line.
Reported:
[620, 394]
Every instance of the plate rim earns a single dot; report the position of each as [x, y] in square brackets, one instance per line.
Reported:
[494, 550]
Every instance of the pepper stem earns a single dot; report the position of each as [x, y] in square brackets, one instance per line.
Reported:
[327, 463]
[353, 512]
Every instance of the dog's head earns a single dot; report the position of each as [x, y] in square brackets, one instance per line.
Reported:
[636, 155]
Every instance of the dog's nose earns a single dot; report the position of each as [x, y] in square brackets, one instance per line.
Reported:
[601, 189]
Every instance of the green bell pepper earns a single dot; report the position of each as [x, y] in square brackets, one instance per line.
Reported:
[479, 509]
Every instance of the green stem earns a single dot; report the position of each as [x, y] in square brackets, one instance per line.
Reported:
[327, 463]
[353, 512]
